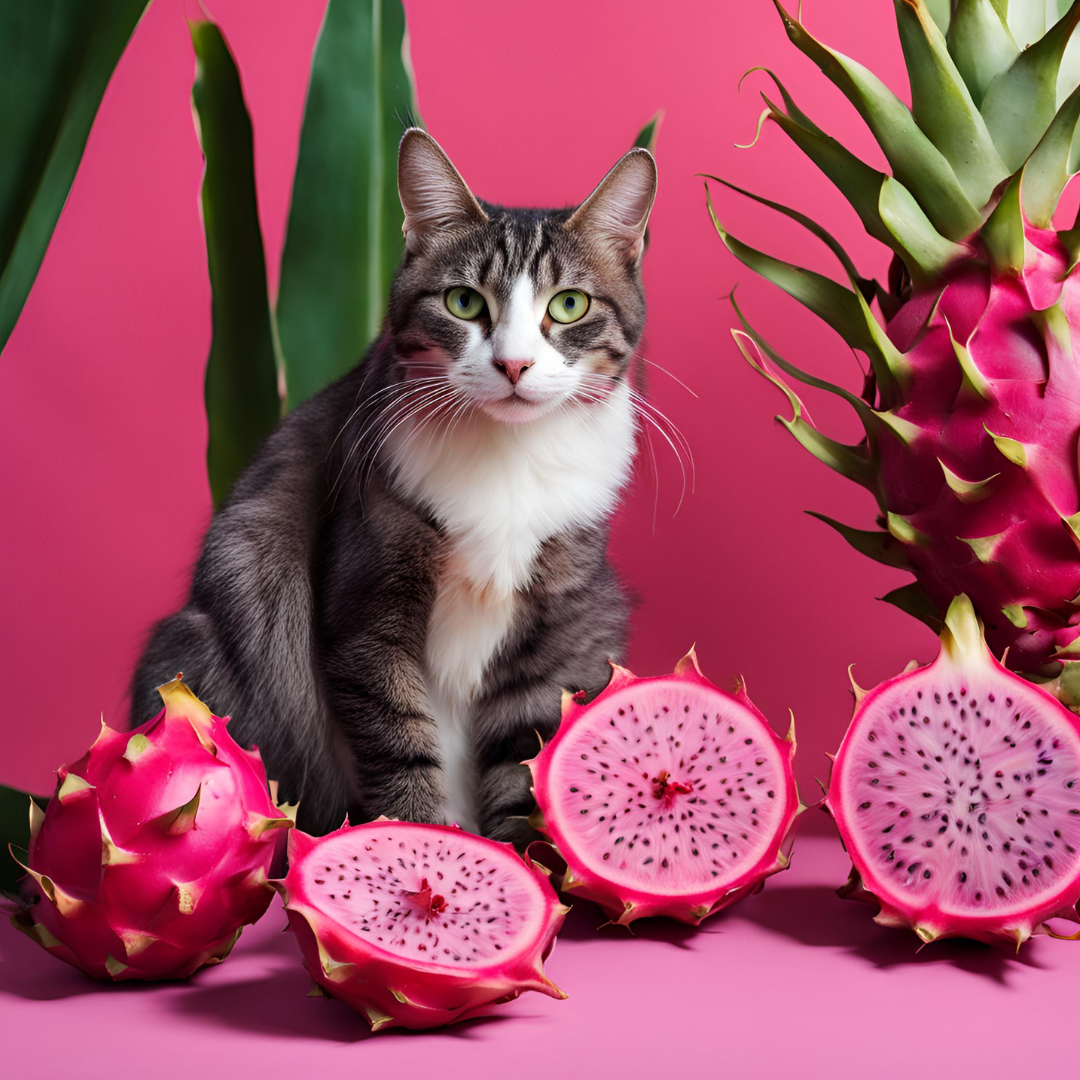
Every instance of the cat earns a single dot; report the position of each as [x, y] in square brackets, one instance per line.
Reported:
[395, 591]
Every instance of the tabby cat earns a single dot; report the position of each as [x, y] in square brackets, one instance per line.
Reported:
[414, 564]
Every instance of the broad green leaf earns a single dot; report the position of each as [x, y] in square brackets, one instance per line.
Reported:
[981, 45]
[344, 241]
[916, 161]
[646, 137]
[1021, 102]
[242, 402]
[15, 830]
[942, 105]
[56, 58]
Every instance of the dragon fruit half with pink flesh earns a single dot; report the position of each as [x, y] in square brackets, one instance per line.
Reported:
[956, 791]
[971, 403]
[666, 795]
[418, 926]
[155, 850]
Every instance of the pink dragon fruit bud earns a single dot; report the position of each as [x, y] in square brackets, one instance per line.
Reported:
[155, 849]
[417, 926]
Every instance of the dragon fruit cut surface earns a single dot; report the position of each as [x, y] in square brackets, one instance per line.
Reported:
[956, 791]
[418, 926]
[155, 850]
[666, 795]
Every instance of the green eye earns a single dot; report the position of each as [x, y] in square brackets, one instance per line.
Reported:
[568, 306]
[464, 303]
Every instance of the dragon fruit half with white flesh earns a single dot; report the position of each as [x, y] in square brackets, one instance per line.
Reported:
[418, 926]
[956, 791]
[666, 795]
[155, 850]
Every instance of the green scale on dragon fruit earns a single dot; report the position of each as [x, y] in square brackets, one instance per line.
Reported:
[971, 402]
[956, 791]
[666, 795]
[156, 849]
[418, 926]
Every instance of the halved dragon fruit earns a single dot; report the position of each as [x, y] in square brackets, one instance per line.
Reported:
[666, 795]
[956, 791]
[155, 850]
[417, 926]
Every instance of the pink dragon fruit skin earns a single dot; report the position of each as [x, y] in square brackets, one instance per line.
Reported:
[983, 494]
[155, 850]
[666, 795]
[970, 403]
[418, 926]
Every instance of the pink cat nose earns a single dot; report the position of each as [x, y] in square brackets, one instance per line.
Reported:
[512, 369]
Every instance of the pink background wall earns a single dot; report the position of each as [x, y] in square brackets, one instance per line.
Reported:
[102, 434]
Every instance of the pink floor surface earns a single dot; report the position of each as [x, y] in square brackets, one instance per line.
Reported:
[793, 983]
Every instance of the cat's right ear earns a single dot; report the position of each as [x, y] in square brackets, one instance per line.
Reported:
[433, 195]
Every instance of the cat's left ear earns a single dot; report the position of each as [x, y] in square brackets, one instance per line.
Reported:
[617, 212]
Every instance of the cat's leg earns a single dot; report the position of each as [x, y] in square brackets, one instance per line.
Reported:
[572, 622]
[376, 601]
[184, 642]
[300, 751]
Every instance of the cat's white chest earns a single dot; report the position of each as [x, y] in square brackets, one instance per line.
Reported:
[500, 491]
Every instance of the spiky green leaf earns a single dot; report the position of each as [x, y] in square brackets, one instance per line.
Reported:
[913, 600]
[1026, 18]
[344, 238]
[981, 45]
[875, 544]
[242, 402]
[852, 462]
[886, 208]
[56, 58]
[831, 302]
[915, 161]
[941, 11]
[1052, 164]
[802, 219]
[1003, 232]
[942, 106]
[1021, 102]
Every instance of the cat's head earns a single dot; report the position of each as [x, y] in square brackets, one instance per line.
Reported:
[520, 311]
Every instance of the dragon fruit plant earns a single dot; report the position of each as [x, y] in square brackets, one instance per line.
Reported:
[970, 405]
[666, 796]
[418, 926]
[957, 794]
[155, 850]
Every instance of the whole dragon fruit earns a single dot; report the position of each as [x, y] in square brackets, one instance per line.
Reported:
[666, 795]
[155, 850]
[956, 791]
[417, 926]
[970, 405]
